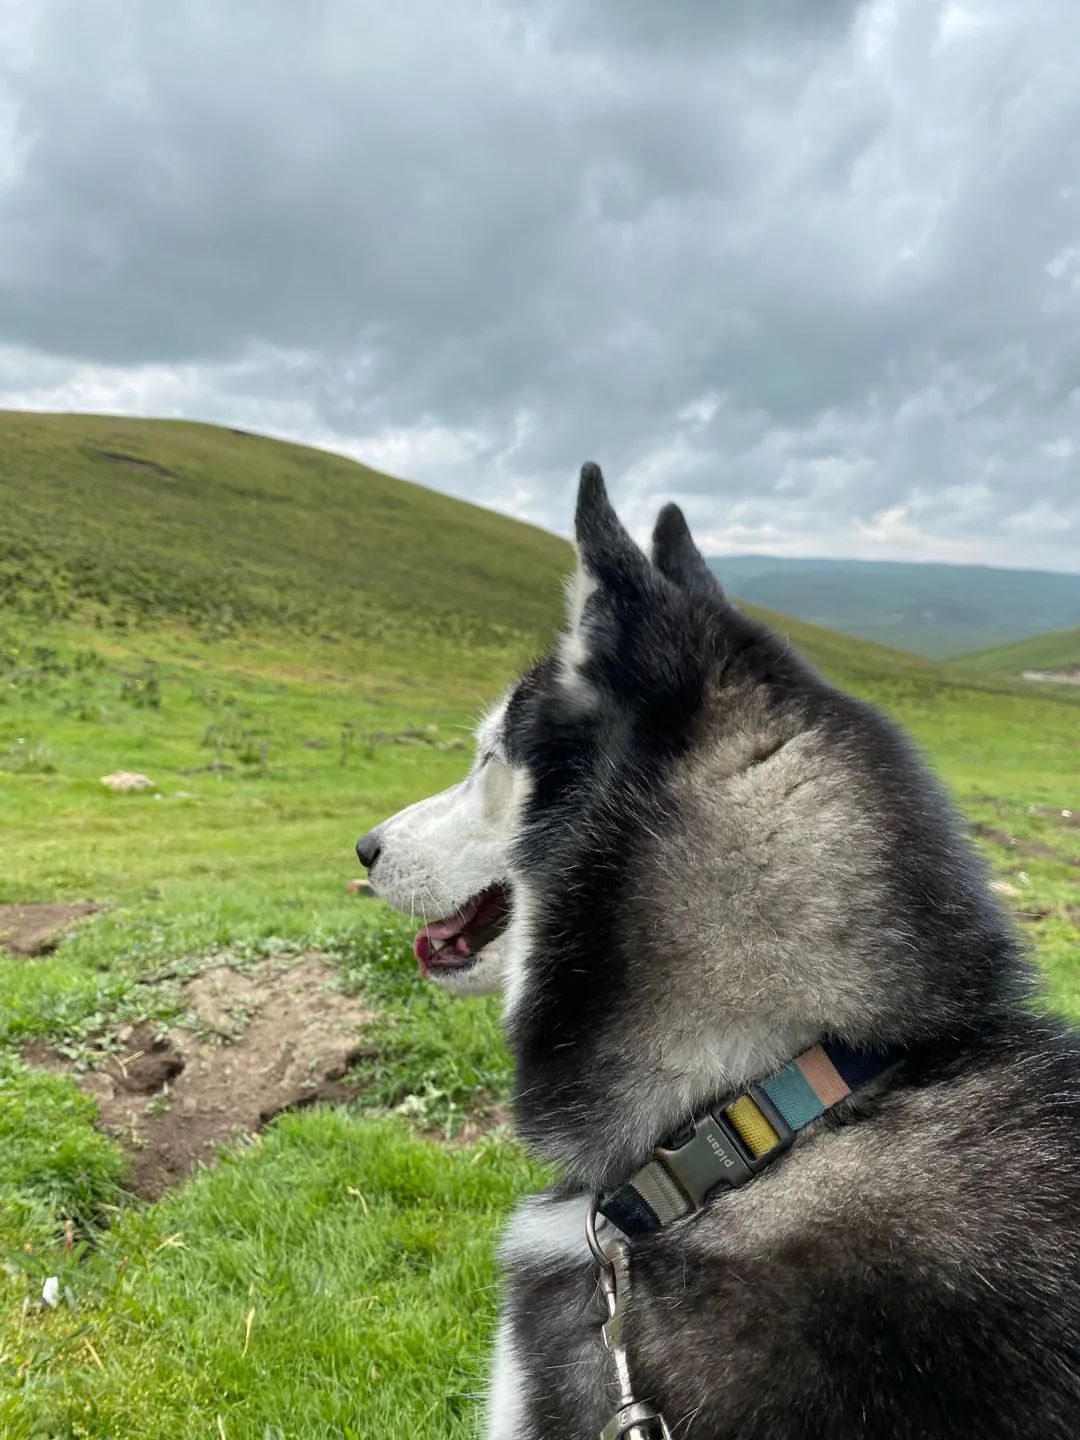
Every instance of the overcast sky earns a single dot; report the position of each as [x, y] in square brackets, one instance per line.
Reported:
[812, 268]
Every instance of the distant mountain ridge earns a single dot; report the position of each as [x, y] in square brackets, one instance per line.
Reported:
[931, 609]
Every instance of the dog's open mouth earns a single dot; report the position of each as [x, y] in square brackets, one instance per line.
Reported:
[455, 943]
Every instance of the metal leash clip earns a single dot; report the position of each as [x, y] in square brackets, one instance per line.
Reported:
[633, 1419]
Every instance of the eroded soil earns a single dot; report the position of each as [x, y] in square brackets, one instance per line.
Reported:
[252, 1044]
[37, 929]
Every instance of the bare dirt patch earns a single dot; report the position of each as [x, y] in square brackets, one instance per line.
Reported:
[252, 1045]
[483, 1120]
[1054, 677]
[136, 462]
[37, 929]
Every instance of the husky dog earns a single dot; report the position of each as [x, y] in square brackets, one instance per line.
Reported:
[684, 858]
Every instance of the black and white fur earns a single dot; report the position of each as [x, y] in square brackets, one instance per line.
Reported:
[715, 859]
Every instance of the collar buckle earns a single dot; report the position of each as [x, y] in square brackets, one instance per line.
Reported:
[742, 1136]
[709, 1157]
[714, 1154]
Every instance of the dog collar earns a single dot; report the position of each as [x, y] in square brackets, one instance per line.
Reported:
[732, 1144]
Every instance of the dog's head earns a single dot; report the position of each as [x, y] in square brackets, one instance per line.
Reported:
[463, 860]
[682, 855]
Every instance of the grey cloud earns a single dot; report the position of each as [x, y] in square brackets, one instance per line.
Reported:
[803, 265]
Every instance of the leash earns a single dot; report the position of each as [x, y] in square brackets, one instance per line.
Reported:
[722, 1150]
[633, 1419]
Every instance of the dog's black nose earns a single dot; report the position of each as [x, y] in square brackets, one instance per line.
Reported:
[367, 848]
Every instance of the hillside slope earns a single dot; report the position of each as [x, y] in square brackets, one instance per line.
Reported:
[932, 609]
[140, 527]
[138, 524]
[145, 519]
[1058, 651]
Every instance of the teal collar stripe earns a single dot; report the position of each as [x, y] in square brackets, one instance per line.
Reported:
[741, 1137]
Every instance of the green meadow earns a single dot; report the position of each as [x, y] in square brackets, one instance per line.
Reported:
[1057, 651]
[290, 646]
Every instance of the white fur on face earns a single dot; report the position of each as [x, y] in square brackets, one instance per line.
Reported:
[438, 854]
[517, 942]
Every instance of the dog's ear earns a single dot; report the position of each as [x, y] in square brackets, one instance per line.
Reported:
[614, 585]
[605, 551]
[677, 557]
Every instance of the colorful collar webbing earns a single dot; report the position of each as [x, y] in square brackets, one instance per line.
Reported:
[740, 1138]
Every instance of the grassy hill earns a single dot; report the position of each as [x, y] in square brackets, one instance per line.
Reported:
[165, 526]
[132, 528]
[932, 609]
[1057, 651]
[132, 521]
[290, 647]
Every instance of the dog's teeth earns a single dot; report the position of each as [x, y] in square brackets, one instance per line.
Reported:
[462, 946]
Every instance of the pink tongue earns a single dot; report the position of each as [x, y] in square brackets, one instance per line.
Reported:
[445, 930]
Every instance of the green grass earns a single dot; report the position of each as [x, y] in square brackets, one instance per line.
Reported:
[1058, 650]
[369, 1315]
[331, 1279]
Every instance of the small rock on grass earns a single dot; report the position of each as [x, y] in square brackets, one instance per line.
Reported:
[127, 780]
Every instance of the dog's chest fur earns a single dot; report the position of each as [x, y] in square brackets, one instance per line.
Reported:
[855, 1290]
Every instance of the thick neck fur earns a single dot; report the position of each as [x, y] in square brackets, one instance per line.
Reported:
[692, 914]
